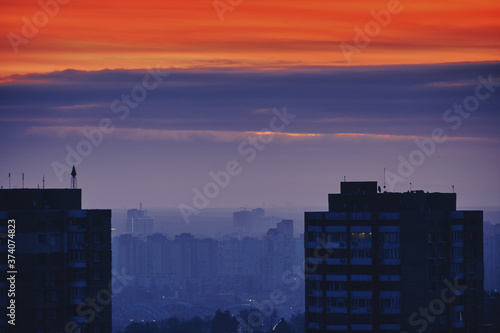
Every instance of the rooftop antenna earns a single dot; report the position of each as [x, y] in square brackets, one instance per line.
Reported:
[344, 178]
[140, 206]
[384, 179]
[9, 180]
[410, 186]
[453, 188]
[43, 182]
[23, 179]
[73, 178]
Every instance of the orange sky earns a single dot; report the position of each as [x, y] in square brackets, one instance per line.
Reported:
[92, 35]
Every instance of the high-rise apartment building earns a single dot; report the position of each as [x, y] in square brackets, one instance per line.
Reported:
[59, 262]
[392, 262]
[491, 256]
[139, 223]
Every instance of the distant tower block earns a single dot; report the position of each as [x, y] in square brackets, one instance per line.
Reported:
[73, 178]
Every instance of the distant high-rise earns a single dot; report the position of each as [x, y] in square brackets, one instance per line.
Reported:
[386, 262]
[249, 221]
[139, 223]
[285, 227]
[491, 256]
[62, 262]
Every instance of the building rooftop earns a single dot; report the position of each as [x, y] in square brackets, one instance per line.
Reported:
[40, 199]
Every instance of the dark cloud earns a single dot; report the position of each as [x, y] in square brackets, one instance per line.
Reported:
[372, 99]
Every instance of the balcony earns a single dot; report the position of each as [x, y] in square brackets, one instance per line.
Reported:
[315, 309]
[392, 278]
[336, 309]
[77, 246]
[362, 327]
[390, 310]
[76, 284]
[362, 310]
[77, 301]
[336, 293]
[78, 319]
[77, 264]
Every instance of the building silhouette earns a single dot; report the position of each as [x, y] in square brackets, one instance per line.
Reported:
[387, 262]
[491, 256]
[62, 262]
[139, 223]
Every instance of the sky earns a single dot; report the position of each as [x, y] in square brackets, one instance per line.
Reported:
[207, 104]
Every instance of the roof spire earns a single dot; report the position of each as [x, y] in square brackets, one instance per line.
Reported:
[73, 178]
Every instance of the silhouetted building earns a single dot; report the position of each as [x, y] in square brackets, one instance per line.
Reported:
[249, 221]
[62, 261]
[243, 220]
[139, 223]
[387, 262]
[285, 227]
[491, 256]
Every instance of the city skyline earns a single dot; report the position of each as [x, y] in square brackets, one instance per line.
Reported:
[152, 99]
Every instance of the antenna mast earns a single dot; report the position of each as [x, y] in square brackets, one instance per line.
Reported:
[43, 181]
[9, 180]
[73, 178]
[384, 179]
[23, 179]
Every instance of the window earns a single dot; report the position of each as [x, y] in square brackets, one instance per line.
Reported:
[312, 285]
[77, 238]
[361, 236]
[458, 251]
[390, 254]
[457, 268]
[389, 237]
[361, 303]
[335, 285]
[53, 295]
[391, 303]
[42, 239]
[337, 236]
[78, 256]
[97, 256]
[97, 275]
[361, 253]
[97, 238]
[314, 301]
[54, 239]
[457, 236]
[53, 314]
[336, 301]
[78, 292]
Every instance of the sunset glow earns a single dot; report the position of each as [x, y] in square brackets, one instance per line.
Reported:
[93, 35]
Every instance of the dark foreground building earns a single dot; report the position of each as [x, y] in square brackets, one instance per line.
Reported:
[392, 262]
[60, 265]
